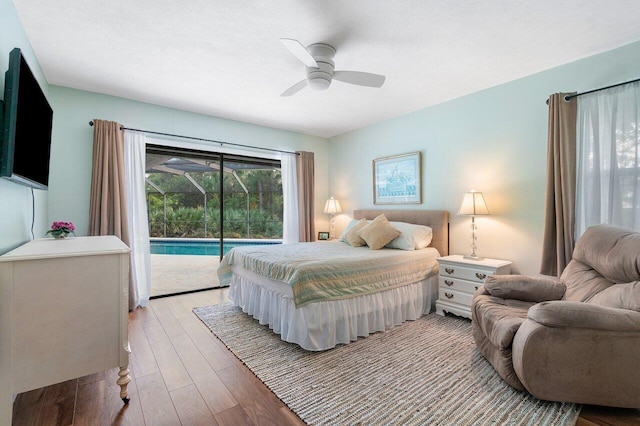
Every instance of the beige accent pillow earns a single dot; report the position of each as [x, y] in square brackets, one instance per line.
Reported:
[353, 235]
[379, 233]
[347, 229]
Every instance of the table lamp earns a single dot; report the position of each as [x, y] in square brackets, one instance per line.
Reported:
[473, 205]
[332, 207]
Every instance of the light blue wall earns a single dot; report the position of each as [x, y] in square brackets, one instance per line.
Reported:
[492, 141]
[71, 151]
[16, 213]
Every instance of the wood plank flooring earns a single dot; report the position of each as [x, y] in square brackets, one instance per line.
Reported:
[182, 374]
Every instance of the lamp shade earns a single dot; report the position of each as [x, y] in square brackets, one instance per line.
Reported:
[473, 205]
[332, 206]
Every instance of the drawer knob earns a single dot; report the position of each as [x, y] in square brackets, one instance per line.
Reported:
[449, 283]
[449, 295]
[449, 270]
[481, 276]
[476, 287]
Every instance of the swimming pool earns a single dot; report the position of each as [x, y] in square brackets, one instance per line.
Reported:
[201, 247]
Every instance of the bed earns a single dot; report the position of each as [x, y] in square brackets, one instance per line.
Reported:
[324, 301]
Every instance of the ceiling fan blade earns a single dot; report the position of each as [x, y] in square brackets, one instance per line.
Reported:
[295, 88]
[360, 78]
[299, 51]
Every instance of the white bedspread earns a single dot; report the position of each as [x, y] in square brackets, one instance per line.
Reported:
[324, 324]
[331, 270]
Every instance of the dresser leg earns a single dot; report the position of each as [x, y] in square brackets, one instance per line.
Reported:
[123, 381]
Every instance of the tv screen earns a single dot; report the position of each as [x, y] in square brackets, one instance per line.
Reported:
[26, 142]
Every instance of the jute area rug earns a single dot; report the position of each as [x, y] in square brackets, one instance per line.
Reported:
[425, 372]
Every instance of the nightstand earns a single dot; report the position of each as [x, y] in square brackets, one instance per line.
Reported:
[460, 278]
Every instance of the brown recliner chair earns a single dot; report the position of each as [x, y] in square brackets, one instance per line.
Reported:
[573, 339]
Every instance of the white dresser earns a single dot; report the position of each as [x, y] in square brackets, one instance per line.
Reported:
[63, 314]
[460, 278]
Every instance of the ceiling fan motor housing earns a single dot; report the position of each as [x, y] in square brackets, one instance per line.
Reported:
[320, 78]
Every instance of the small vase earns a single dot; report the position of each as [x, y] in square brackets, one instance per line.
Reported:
[60, 236]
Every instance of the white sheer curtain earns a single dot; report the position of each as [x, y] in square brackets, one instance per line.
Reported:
[291, 230]
[608, 158]
[134, 162]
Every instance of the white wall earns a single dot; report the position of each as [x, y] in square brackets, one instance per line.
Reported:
[16, 213]
[71, 150]
[492, 141]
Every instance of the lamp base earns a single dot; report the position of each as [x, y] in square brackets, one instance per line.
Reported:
[472, 257]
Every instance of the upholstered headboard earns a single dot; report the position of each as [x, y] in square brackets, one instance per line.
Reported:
[438, 220]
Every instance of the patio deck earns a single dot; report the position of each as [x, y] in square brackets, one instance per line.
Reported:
[179, 273]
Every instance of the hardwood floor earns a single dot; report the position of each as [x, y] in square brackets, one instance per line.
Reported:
[182, 374]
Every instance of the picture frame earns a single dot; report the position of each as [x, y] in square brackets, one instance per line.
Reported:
[398, 179]
[323, 236]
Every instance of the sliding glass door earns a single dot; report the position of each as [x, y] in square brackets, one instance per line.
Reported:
[203, 204]
[253, 206]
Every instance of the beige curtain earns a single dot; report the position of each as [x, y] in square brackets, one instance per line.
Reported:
[305, 182]
[559, 220]
[107, 208]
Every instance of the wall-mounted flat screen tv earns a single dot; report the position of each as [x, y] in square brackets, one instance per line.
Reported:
[26, 127]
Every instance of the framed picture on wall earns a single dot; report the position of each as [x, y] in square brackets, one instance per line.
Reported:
[398, 179]
[323, 236]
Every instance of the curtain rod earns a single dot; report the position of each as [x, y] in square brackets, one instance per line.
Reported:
[569, 97]
[204, 140]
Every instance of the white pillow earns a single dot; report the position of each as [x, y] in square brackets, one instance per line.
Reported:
[413, 237]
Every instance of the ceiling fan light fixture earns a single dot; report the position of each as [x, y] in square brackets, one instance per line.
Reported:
[319, 80]
[319, 84]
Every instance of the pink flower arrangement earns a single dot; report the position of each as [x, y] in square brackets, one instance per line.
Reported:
[61, 229]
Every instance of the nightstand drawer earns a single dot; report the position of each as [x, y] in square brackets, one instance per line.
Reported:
[454, 296]
[450, 283]
[460, 278]
[462, 272]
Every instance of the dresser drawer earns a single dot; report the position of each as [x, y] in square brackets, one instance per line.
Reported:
[451, 283]
[453, 296]
[463, 272]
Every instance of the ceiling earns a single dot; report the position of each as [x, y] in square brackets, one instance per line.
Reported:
[224, 58]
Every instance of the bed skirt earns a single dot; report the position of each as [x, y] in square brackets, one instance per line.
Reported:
[322, 325]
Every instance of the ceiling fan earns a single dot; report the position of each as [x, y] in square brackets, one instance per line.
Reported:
[320, 69]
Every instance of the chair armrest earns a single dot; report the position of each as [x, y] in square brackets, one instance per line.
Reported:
[528, 289]
[481, 291]
[579, 352]
[584, 315]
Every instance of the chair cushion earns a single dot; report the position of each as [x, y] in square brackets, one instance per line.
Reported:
[622, 296]
[582, 282]
[611, 251]
[605, 269]
[500, 319]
